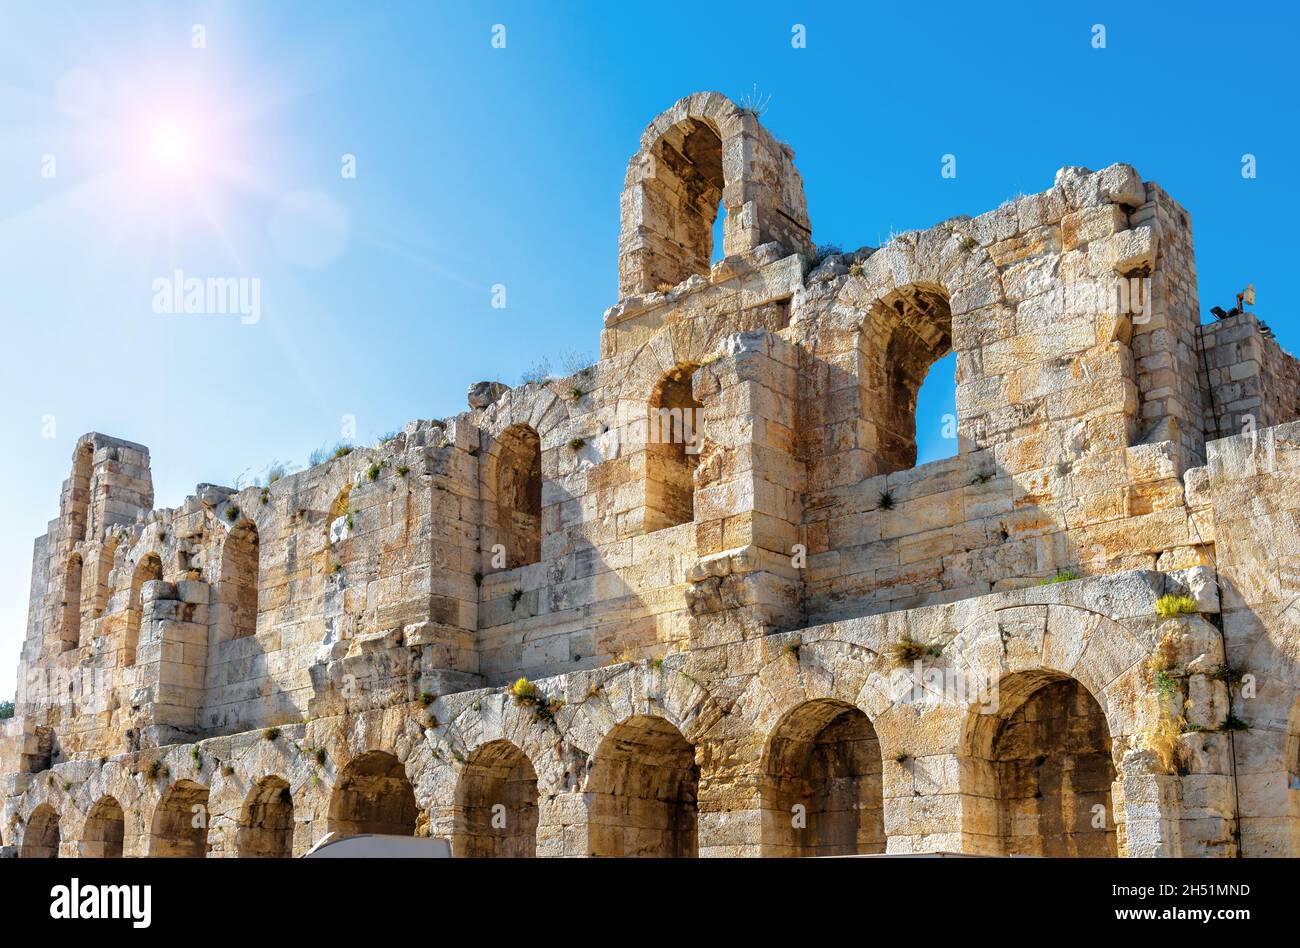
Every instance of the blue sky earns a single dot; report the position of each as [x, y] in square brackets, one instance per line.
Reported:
[477, 166]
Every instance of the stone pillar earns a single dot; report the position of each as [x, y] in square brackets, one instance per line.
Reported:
[172, 656]
[562, 824]
[747, 498]
[1145, 803]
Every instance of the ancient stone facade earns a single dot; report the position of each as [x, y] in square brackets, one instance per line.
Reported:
[697, 599]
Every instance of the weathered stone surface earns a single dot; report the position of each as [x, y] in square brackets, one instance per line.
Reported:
[483, 394]
[698, 598]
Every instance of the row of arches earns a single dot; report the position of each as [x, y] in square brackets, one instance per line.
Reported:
[672, 447]
[1037, 781]
[235, 599]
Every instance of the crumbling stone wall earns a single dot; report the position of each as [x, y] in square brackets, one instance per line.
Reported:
[767, 632]
[1253, 382]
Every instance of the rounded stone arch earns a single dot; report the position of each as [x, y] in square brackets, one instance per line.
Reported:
[496, 717]
[702, 153]
[674, 441]
[520, 435]
[1037, 772]
[265, 826]
[104, 831]
[373, 794]
[514, 473]
[79, 508]
[104, 557]
[1058, 639]
[818, 669]
[41, 836]
[822, 783]
[496, 803]
[70, 625]
[179, 827]
[912, 300]
[235, 599]
[146, 569]
[642, 706]
[1054, 689]
[643, 689]
[643, 788]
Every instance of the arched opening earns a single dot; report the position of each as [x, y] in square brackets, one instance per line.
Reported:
[105, 829]
[103, 566]
[180, 822]
[373, 795]
[822, 785]
[673, 443]
[496, 804]
[236, 605]
[266, 821]
[1037, 773]
[644, 787]
[79, 501]
[41, 841]
[680, 200]
[71, 625]
[904, 335]
[148, 569]
[518, 493]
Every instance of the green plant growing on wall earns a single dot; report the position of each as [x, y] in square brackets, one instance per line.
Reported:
[1165, 684]
[1064, 576]
[1173, 604]
[885, 501]
[271, 733]
[1233, 723]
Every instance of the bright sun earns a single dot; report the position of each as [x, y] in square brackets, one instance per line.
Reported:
[170, 145]
[171, 148]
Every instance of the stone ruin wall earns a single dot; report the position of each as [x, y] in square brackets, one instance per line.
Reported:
[713, 635]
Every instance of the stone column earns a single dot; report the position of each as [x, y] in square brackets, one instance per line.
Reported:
[747, 499]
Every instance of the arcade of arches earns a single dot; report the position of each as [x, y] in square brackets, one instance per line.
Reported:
[1036, 780]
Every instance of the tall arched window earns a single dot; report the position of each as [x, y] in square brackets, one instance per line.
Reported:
[237, 589]
[79, 499]
[149, 568]
[518, 493]
[72, 602]
[673, 443]
[675, 237]
[905, 334]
